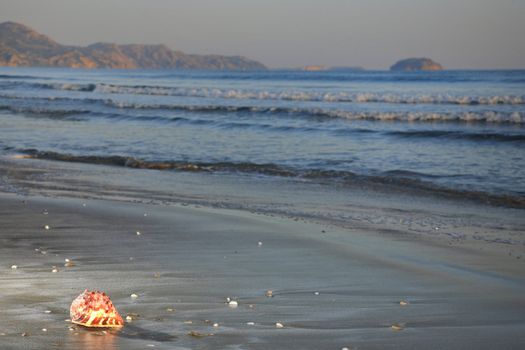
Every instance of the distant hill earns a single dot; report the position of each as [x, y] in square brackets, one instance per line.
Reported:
[23, 46]
[416, 64]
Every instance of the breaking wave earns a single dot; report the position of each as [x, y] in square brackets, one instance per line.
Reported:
[398, 179]
[285, 95]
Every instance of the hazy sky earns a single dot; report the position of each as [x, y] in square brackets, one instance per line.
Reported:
[289, 33]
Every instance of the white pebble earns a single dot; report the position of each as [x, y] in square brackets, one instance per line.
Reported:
[67, 260]
[403, 303]
[55, 270]
[138, 233]
[215, 325]
[44, 329]
[71, 328]
[279, 325]
[134, 296]
[259, 244]
[129, 318]
[47, 311]
[228, 299]
[316, 293]
[14, 267]
[250, 323]
[46, 227]
[345, 348]
[233, 304]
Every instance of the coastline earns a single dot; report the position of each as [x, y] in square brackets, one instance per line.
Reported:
[336, 283]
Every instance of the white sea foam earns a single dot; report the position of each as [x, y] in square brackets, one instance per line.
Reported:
[295, 95]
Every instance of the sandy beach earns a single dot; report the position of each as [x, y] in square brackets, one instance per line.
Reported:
[332, 287]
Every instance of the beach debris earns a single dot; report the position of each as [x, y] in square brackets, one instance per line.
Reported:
[44, 329]
[404, 303]
[259, 243]
[138, 233]
[188, 322]
[25, 334]
[71, 329]
[250, 323]
[215, 325]
[316, 293]
[46, 227]
[134, 296]
[169, 309]
[198, 334]
[129, 318]
[279, 325]
[156, 275]
[14, 267]
[269, 293]
[69, 263]
[345, 348]
[233, 304]
[397, 326]
[47, 311]
[55, 269]
[94, 309]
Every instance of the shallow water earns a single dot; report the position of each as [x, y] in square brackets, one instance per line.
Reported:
[452, 130]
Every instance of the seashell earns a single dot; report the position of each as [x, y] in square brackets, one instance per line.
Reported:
[397, 326]
[233, 304]
[279, 325]
[134, 296]
[403, 303]
[14, 267]
[138, 233]
[94, 309]
[46, 227]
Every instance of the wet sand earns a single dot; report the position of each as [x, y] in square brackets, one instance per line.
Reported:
[332, 287]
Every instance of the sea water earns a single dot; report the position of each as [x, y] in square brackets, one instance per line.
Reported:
[451, 131]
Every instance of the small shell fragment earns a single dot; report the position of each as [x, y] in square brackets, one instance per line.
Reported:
[55, 270]
[215, 325]
[129, 318]
[279, 325]
[259, 243]
[138, 233]
[47, 311]
[14, 267]
[233, 304]
[397, 327]
[250, 323]
[403, 303]
[44, 329]
[46, 227]
[269, 293]
[134, 296]
[316, 293]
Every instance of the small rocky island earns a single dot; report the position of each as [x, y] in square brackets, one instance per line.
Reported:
[416, 64]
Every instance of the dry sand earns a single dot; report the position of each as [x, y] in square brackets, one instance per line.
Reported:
[332, 287]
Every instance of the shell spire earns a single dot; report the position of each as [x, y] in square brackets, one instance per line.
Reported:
[94, 309]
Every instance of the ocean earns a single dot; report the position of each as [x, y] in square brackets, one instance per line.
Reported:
[459, 133]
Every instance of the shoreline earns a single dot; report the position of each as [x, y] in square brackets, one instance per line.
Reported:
[332, 287]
